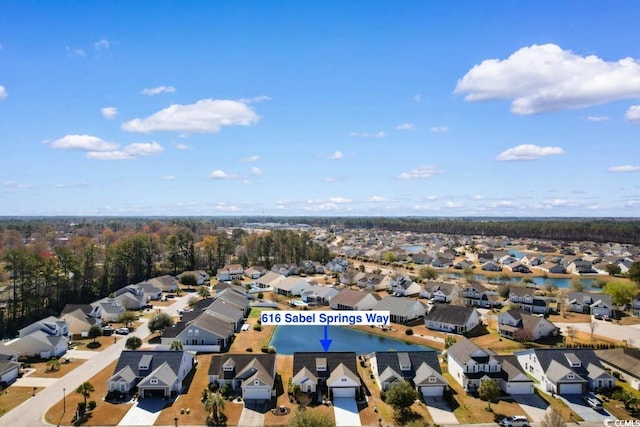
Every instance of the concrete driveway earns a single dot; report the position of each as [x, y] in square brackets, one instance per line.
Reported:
[533, 405]
[577, 405]
[345, 409]
[143, 412]
[252, 415]
[440, 411]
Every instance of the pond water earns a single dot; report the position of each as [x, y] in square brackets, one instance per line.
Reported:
[538, 281]
[289, 339]
[413, 249]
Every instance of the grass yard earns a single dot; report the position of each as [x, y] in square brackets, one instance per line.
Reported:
[420, 335]
[14, 396]
[496, 343]
[570, 317]
[284, 368]
[616, 407]
[88, 343]
[471, 410]
[41, 368]
[104, 414]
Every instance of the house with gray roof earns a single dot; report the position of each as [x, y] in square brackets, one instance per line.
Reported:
[520, 325]
[318, 294]
[451, 318]
[590, 303]
[110, 309]
[440, 291]
[526, 299]
[253, 374]
[166, 283]
[565, 371]
[348, 299]
[228, 312]
[420, 368]
[402, 310]
[151, 373]
[470, 365]
[291, 286]
[9, 371]
[625, 362]
[79, 322]
[330, 374]
[476, 295]
[201, 332]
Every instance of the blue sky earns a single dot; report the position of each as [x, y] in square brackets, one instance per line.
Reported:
[409, 108]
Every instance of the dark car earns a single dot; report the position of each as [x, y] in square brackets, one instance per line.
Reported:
[107, 331]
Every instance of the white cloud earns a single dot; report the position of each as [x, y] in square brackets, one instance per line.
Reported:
[102, 44]
[224, 207]
[13, 184]
[1, 46]
[502, 204]
[452, 205]
[558, 203]
[378, 199]
[129, 152]
[624, 168]
[340, 200]
[379, 134]
[439, 129]
[220, 174]
[74, 51]
[169, 177]
[109, 112]
[417, 97]
[337, 155]
[180, 146]
[633, 113]
[331, 179]
[542, 78]
[255, 99]
[3, 93]
[83, 142]
[206, 115]
[405, 126]
[528, 152]
[597, 118]
[256, 171]
[250, 159]
[158, 90]
[419, 173]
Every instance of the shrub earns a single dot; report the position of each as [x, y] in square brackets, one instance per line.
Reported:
[81, 407]
[249, 350]
[409, 331]
[91, 405]
[257, 327]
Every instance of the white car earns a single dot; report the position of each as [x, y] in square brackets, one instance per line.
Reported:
[122, 331]
[515, 421]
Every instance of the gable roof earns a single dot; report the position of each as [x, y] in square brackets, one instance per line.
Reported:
[132, 359]
[307, 360]
[351, 298]
[463, 349]
[449, 314]
[400, 306]
[246, 367]
[624, 359]
[422, 365]
[556, 362]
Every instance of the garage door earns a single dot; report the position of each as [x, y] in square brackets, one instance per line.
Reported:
[570, 389]
[520, 388]
[344, 392]
[256, 393]
[433, 391]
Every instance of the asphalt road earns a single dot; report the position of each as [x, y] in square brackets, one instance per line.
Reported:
[31, 412]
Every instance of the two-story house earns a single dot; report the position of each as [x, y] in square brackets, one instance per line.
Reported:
[520, 325]
[419, 368]
[477, 295]
[590, 303]
[526, 299]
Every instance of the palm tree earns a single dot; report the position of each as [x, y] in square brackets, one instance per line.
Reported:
[204, 292]
[214, 404]
[85, 389]
[176, 345]
[53, 364]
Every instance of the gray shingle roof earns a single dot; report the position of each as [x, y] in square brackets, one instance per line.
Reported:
[449, 314]
[308, 360]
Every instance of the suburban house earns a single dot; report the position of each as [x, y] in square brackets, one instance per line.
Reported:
[635, 305]
[470, 365]
[165, 283]
[588, 303]
[291, 286]
[402, 310]
[150, 291]
[201, 276]
[110, 310]
[255, 272]
[440, 291]
[374, 282]
[201, 332]
[231, 296]
[45, 338]
[152, 373]
[552, 267]
[227, 311]
[348, 299]
[254, 374]
[624, 362]
[518, 267]
[580, 266]
[452, 318]
[420, 368]
[285, 269]
[404, 286]
[268, 280]
[565, 371]
[478, 296]
[331, 375]
[230, 272]
[9, 367]
[491, 266]
[519, 324]
[131, 299]
[318, 294]
[79, 321]
[526, 299]
[91, 310]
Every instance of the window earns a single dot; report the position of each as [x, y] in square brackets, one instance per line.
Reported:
[432, 379]
[153, 381]
[570, 376]
[344, 380]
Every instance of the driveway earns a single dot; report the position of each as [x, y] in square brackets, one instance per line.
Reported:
[577, 405]
[144, 412]
[252, 415]
[533, 405]
[440, 411]
[345, 409]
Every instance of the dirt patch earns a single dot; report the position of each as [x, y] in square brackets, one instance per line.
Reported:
[570, 318]
[41, 368]
[421, 335]
[284, 368]
[87, 343]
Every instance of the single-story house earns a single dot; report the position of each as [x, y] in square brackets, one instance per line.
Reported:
[419, 368]
[291, 286]
[402, 310]
[348, 299]
[319, 294]
[254, 374]
[590, 303]
[165, 283]
[451, 318]
[520, 325]
[331, 374]
[200, 331]
[624, 362]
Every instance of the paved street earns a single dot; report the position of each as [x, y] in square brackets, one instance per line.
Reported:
[31, 412]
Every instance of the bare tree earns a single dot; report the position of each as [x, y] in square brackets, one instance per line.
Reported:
[552, 419]
[571, 332]
[592, 327]
[563, 295]
[490, 318]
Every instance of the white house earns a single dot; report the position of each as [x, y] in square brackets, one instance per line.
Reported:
[451, 318]
[420, 368]
[348, 299]
[520, 325]
[291, 286]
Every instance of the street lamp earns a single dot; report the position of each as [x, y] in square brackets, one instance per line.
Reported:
[64, 400]
[176, 420]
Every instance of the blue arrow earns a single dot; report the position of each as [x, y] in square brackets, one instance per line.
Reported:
[326, 342]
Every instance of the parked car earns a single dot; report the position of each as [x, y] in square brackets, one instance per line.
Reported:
[515, 421]
[593, 402]
[606, 318]
[122, 331]
[107, 331]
